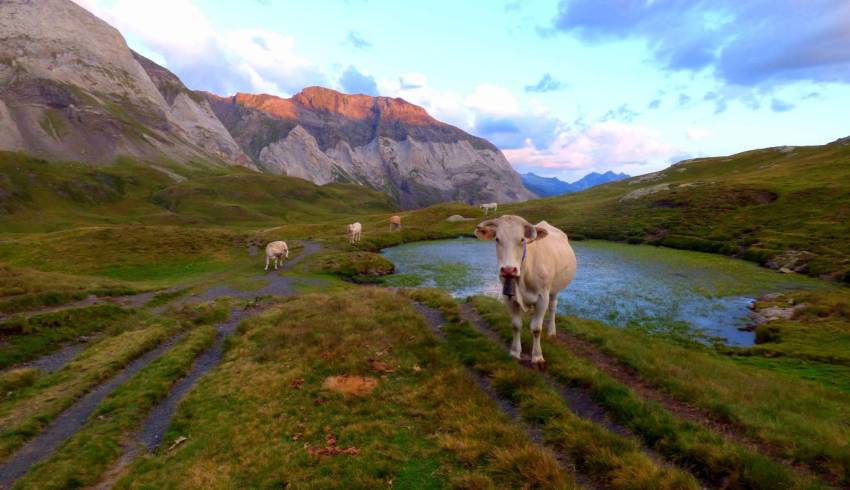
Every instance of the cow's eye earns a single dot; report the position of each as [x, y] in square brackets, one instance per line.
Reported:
[497, 239]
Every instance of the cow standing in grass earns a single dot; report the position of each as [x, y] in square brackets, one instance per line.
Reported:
[395, 222]
[536, 262]
[277, 251]
[354, 231]
[490, 206]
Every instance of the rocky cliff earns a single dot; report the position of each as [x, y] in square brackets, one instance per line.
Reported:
[384, 143]
[70, 88]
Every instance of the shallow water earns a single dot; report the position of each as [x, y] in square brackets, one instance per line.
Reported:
[627, 285]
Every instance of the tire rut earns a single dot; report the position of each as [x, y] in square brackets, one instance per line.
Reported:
[435, 320]
[616, 369]
[579, 401]
[72, 419]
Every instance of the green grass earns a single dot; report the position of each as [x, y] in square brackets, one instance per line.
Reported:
[610, 459]
[709, 455]
[22, 340]
[257, 420]
[81, 460]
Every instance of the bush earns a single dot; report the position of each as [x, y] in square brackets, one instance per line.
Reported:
[768, 332]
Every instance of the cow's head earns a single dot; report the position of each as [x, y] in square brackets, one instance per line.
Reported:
[511, 234]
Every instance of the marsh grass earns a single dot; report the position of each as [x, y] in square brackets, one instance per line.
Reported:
[82, 460]
[803, 421]
[610, 459]
[259, 419]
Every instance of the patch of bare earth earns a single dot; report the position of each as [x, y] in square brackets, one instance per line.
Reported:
[350, 385]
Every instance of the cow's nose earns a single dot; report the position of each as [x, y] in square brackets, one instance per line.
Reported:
[508, 271]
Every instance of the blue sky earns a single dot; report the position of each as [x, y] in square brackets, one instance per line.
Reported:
[562, 87]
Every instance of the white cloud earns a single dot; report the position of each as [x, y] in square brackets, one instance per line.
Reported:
[602, 146]
[492, 100]
[252, 60]
[698, 134]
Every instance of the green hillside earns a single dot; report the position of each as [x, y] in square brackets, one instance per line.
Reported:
[36, 195]
[783, 207]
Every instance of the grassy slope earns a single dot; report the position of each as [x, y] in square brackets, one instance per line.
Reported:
[723, 205]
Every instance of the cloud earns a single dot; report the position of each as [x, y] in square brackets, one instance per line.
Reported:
[604, 145]
[546, 84]
[354, 82]
[356, 40]
[778, 105]
[622, 113]
[743, 43]
[684, 99]
[250, 60]
[698, 134]
[412, 81]
[493, 100]
[654, 104]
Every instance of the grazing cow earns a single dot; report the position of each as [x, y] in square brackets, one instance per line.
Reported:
[535, 263]
[490, 206]
[277, 251]
[354, 230]
[395, 222]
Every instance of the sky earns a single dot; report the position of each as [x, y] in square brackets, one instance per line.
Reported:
[563, 88]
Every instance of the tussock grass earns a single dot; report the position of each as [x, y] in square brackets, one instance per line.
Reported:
[610, 459]
[802, 420]
[82, 460]
[22, 340]
[259, 418]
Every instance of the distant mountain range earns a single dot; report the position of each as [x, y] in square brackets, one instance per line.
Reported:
[552, 186]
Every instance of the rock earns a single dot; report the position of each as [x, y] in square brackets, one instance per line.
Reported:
[456, 217]
[645, 191]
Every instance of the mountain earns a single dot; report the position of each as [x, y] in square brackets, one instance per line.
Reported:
[385, 143]
[552, 186]
[71, 89]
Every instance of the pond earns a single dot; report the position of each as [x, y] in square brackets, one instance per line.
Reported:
[658, 289]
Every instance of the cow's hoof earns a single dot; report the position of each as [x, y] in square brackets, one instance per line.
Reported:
[516, 355]
[539, 364]
[551, 334]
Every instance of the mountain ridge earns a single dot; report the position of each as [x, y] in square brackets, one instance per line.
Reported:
[553, 186]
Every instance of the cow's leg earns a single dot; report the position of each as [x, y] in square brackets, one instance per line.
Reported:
[267, 263]
[516, 317]
[276, 261]
[553, 311]
[537, 328]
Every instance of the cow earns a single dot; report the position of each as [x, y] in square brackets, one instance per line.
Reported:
[536, 262]
[354, 230]
[276, 250]
[395, 222]
[490, 206]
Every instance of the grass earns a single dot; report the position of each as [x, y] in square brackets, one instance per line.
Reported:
[22, 340]
[82, 460]
[724, 463]
[262, 418]
[610, 459]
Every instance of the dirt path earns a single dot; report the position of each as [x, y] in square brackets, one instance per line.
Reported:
[616, 369]
[435, 320]
[130, 300]
[73, 418]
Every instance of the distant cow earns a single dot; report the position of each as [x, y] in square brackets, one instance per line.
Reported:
[277, 251]
[536, 262]
[395, 222]
[490, 206]
[354, 231]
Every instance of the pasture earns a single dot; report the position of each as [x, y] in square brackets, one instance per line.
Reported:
[142, 345]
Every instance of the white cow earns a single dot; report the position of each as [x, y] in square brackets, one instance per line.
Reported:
[354, 231]
[276, 250]
[490, 206]
[536, 262]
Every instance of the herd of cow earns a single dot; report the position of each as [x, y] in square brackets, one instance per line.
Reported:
[536, 262]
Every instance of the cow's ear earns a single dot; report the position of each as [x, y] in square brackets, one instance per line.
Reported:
[486, 230]
[534, 233]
